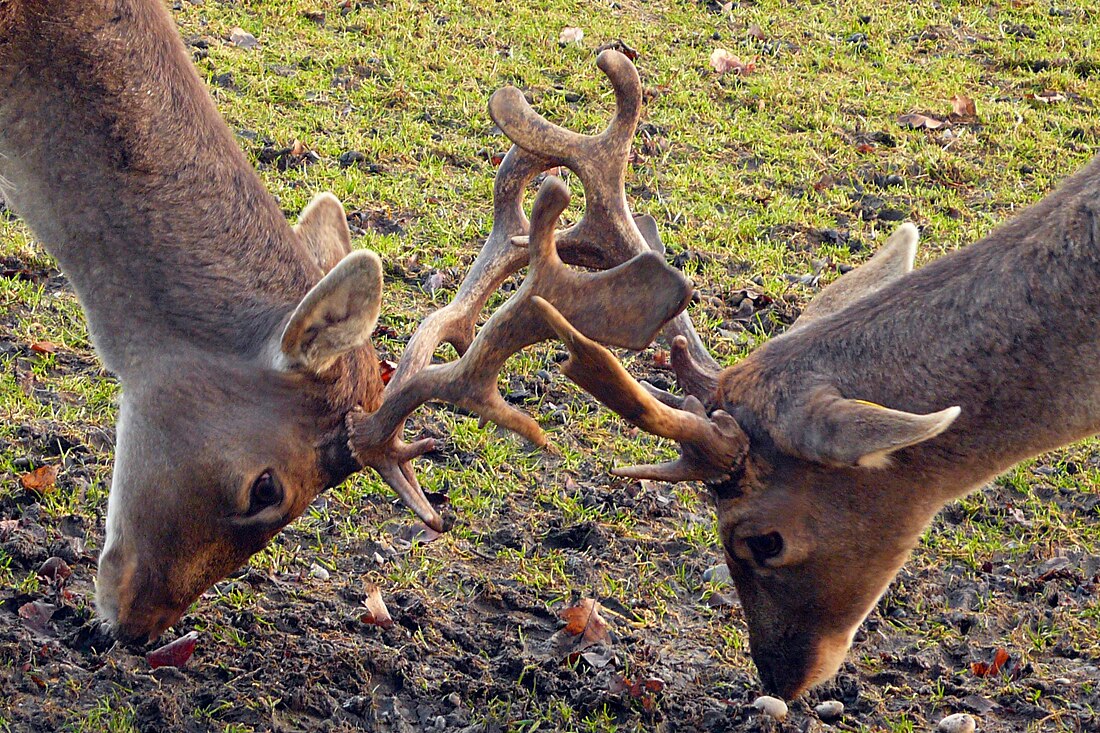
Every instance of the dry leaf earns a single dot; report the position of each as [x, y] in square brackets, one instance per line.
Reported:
[584, 620]
[55, 569]
[755, 31]
[37, 614]
[618, 45]
[41, 480]
[1049, 96]
[174, 653]
[570, 35]
[964, 107]
[723, 61]
[919, 121]
[44, 347]
[387, 369]
[376, 612]
[1000, 660]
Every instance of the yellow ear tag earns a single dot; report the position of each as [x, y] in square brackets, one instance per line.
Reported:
[869, 404]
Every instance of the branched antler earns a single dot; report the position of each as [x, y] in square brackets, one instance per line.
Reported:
[607, 237]
[624, 306]
[709, 445]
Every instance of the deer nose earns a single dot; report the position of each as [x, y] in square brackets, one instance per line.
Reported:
[780, 680]
[142, 627]
[785, 671]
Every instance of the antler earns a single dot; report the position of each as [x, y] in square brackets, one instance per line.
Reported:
[606, 236]
[624, 306]
[710, 446]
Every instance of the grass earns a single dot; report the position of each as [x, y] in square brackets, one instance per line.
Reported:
[760, 177]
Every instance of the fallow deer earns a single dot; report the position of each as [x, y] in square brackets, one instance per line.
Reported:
[242, 344]
[829, 449]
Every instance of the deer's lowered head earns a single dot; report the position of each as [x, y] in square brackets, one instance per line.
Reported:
[216, 452]
[829, 449]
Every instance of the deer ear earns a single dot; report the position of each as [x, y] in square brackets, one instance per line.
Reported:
[337, 315]
[889, 263]
[323, 229]
[829, 429]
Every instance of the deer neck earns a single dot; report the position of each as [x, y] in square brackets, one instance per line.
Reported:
[113, 152]
[1008, 329]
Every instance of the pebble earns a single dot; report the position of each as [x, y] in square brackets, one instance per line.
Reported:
[957, 723]
[830, 711]
[773, 707]
[717, 574]
[318, 572]
[243, 39]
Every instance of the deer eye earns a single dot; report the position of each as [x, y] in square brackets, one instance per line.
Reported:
[266, 491]
[764, 547]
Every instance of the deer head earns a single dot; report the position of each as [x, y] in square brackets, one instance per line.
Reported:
[830, 448]
[816, 509]
[216, 453]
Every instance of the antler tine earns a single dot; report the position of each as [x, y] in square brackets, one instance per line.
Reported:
[497, 260]
[710, 447]
[645, 287]
[607, 234]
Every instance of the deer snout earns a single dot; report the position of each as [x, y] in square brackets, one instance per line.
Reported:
[133, 610]
[793, 664]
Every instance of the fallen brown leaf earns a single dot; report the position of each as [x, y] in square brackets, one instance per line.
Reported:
[44, 347]
[55, 568]
[584, 620]
[963, 107]
[41, 480]
[243, 39]
[570, 35]
[37, 614]
[918, 121]
[621, 47]
[387, 368]
[376, 612]
[1049, 96]
[992, 668]
[174, 653]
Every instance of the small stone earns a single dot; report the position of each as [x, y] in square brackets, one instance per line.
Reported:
[243, 39]
[830, 711]
[957, 723]
[773, 707]
[318, 572]
[1052, 565]
[717, 574]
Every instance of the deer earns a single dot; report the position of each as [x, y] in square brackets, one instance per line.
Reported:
[242, 344]
[830, 448]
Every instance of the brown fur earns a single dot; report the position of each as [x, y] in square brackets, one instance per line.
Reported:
[114, 154]
[1007, 329]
